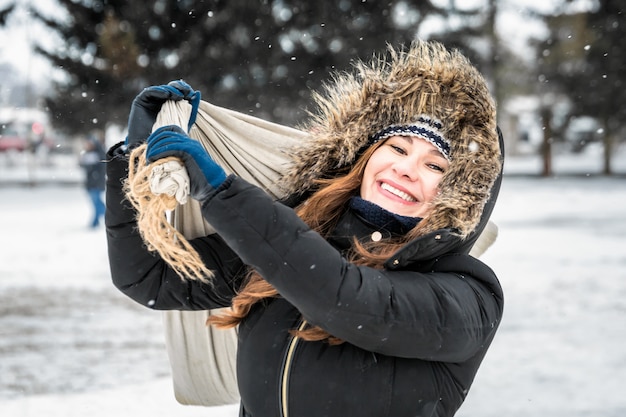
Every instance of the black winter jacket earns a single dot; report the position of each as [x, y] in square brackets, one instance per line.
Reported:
[416, 331]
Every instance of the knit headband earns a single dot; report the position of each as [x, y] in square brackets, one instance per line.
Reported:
[426, 128]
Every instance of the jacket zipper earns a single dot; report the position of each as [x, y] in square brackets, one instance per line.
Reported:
[284, 389]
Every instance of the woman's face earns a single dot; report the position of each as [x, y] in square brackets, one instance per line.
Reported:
[402, 175]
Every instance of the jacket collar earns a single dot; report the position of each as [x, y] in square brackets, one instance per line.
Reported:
[420, 250]
[352, 225]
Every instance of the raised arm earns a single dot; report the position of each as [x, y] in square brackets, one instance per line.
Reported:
[144, 276]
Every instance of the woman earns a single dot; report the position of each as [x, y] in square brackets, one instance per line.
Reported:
[362, 298]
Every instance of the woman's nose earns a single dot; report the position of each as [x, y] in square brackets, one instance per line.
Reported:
[406, 168]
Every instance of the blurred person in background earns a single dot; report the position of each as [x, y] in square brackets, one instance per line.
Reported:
[91, 159]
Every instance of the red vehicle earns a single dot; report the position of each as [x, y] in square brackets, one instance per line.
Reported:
[11, 140]
[14, 139]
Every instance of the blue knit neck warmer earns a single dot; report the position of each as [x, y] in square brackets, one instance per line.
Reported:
[379, 217]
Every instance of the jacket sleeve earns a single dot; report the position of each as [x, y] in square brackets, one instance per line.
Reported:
[440, 316]
[143, 275]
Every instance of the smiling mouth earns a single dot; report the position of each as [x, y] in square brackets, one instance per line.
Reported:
[398, 193]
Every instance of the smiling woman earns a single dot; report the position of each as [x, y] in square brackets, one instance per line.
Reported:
[356, 294]
[403, 175]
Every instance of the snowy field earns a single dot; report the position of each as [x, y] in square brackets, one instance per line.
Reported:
[71, 345]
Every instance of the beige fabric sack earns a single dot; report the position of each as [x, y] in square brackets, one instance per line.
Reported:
[202, 358]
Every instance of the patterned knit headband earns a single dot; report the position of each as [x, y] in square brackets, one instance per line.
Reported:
[426, 128]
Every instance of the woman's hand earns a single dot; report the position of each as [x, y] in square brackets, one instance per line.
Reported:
[148, 103]
[205, 175]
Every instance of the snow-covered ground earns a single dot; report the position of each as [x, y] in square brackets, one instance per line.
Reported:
[71, 345]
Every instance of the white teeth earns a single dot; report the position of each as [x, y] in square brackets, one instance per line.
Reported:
[397, 192]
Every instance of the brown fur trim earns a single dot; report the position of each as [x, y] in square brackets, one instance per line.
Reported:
[426, 79]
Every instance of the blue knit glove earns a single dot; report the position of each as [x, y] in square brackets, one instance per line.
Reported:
[147, 104]
[205, 175]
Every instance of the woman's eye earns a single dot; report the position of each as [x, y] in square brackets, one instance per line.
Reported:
[398, 149]
[436, 167]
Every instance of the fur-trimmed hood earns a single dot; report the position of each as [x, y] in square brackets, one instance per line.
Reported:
[425, 79]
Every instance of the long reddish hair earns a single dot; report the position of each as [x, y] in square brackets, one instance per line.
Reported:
[321, 211]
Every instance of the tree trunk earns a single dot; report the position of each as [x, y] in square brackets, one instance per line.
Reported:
[546, 148]
[607, 141]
